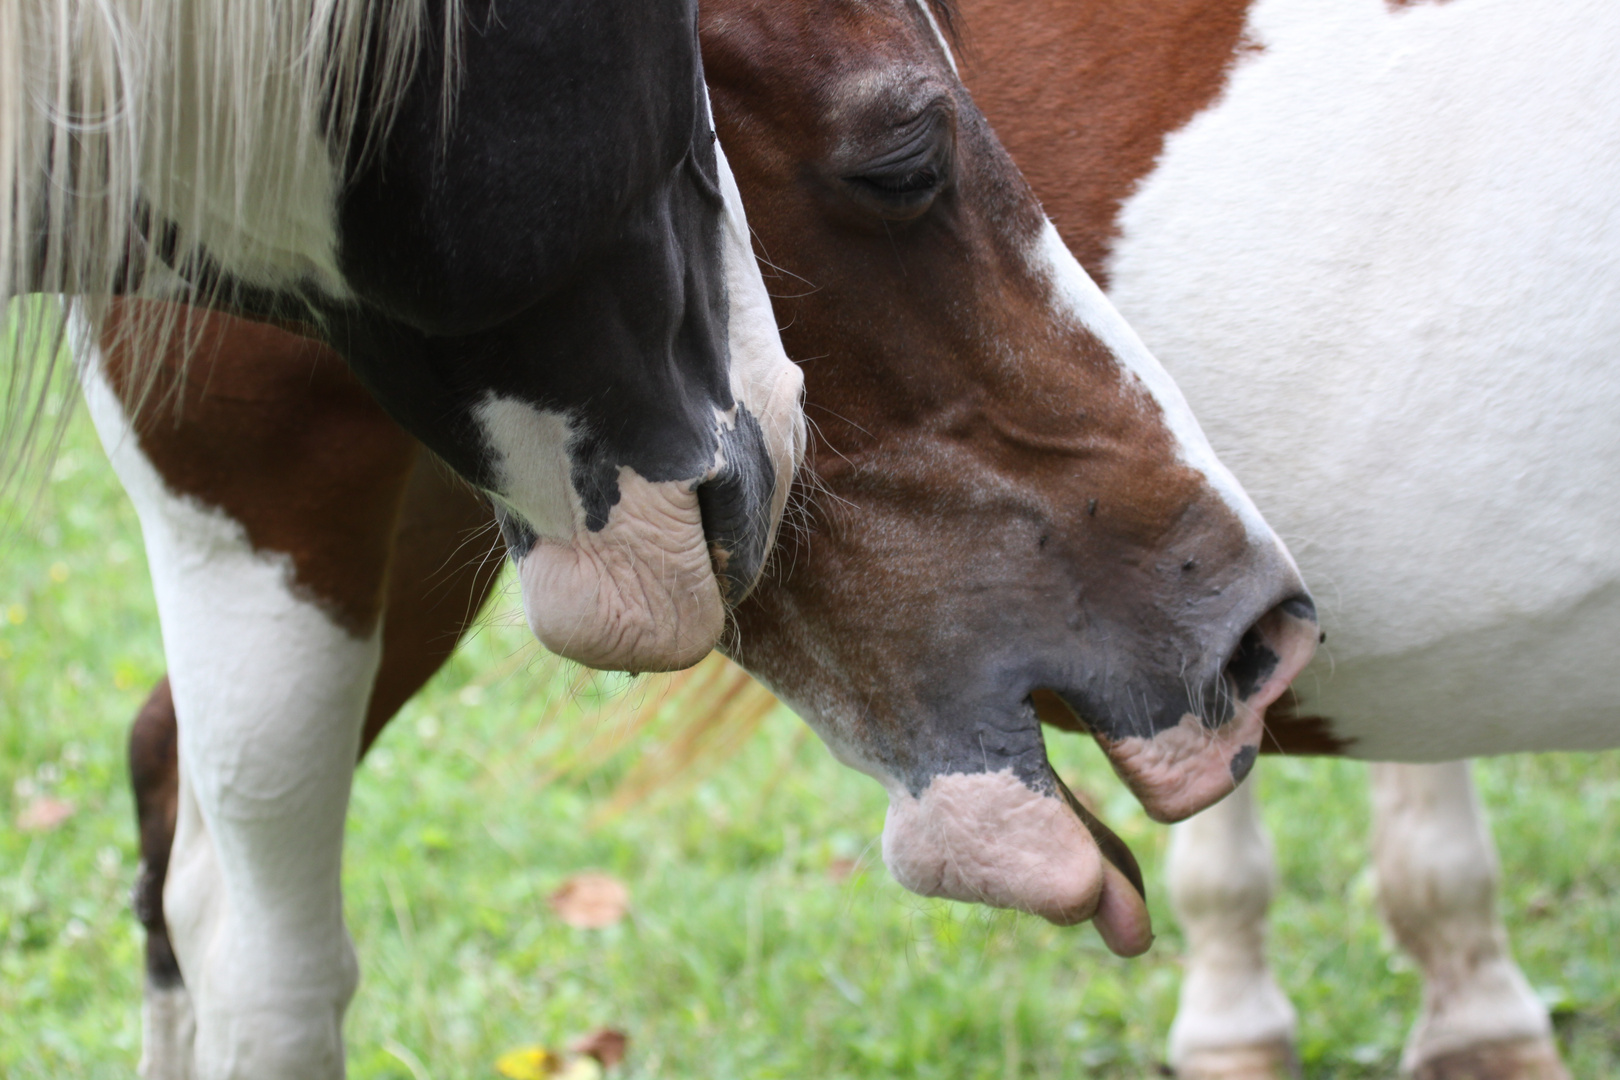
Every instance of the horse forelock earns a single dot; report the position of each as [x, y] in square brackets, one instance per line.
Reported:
[141, 137]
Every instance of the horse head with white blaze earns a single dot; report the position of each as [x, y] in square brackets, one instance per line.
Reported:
[1011, 511]
[515, 225]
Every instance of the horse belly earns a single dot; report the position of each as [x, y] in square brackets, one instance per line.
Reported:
[1384, 267]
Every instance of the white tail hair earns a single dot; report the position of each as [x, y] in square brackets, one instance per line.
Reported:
[140, 137]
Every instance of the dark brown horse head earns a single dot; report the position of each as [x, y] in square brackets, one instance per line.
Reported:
[1010, 513]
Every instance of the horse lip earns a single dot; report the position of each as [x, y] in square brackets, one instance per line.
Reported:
[1109, 843]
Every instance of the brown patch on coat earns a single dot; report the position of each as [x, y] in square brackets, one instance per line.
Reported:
[271, 428]
[447, 555]
[1287, 732]
[988, 496]
[1084, 94]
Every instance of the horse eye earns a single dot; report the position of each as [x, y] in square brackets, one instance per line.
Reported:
[902, 183]
[900, 191]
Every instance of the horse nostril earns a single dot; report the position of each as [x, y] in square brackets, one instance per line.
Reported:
[1260, 650]
[1300, 607]
[1251, 664]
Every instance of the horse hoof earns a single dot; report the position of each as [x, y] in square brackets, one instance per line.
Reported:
[1511, 1059]
[1265, 1061]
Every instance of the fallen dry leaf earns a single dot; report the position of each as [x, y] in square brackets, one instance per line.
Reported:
[841, 869]
[538, 1063]
[528, 1063]
[606, 1045]
[44, 814]
[591, 901]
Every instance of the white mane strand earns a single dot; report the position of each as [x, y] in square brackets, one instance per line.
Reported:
[224, 123]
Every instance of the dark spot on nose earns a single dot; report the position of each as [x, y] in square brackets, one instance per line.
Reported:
[519, 536]
[1300, 607]
[1091, 507]
[1042, 541]
[1243, 761]
[1251, 665]
[1189, 566]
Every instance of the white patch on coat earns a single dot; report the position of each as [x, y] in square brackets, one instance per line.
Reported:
[528, 446]
[1385, 269]
[273, 695]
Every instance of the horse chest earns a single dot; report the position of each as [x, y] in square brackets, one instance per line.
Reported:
[1384, 267]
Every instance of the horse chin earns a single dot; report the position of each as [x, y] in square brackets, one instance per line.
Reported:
[989, 838]
[638, 595]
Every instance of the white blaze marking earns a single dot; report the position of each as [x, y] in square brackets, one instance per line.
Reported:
[939, 35]
[1081, 300]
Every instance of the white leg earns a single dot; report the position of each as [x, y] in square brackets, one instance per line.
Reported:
[1233, 1022]
[273, 694]
[1437, 875]
[168, 1033]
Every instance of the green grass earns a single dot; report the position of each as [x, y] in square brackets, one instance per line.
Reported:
[744, 956]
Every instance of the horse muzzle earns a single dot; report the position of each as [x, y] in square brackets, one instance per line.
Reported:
[1177, 765]
[646, 584]
[996, 838]
[978, 815]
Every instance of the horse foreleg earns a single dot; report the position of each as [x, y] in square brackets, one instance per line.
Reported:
[167, 1027]
[268, 499]
[446, 559]
[1233, 1021]
[1437, 879]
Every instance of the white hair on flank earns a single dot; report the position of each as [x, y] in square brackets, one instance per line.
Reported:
[224, 125]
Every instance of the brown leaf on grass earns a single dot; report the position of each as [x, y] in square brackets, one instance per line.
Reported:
[841, 869]
[591, 900]
[606, 1045]
[44, 814]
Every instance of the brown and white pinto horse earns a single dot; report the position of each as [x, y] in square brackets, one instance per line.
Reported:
[1007, 503]
[1378, 244]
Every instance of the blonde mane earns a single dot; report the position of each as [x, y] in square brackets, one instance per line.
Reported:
[224, 124]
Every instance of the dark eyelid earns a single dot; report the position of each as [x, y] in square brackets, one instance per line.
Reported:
[918, 143]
